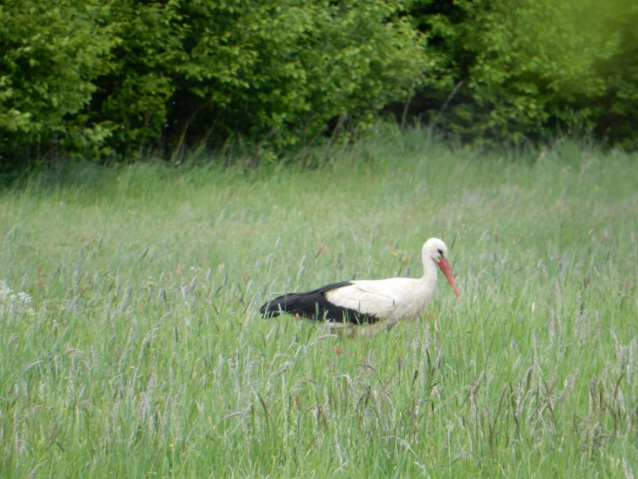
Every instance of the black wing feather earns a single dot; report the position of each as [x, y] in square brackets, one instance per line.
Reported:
[314, 305]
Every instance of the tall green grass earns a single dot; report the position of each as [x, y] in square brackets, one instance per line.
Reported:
[142, 353]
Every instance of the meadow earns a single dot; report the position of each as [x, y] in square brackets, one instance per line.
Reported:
[132, 346]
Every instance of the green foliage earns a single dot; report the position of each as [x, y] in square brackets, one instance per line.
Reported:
[618, 109]
[128, 78]
[142, 77]
[281, 70]
[135, 95]
[535, 68]
[50, 53]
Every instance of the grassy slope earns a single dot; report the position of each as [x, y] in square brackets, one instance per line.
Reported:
[146, 355]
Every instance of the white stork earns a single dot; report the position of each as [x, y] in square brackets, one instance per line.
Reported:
[376, 304]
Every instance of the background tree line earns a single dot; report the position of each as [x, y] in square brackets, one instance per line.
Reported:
[128, 78]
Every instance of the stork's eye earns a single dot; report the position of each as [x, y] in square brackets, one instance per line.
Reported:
[440, 252]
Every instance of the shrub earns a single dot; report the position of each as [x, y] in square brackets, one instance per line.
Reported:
[50, 53]
[533, 68]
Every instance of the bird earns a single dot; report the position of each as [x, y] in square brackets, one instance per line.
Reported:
[376, 305]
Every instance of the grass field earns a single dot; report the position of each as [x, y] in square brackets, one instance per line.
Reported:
[139, 350]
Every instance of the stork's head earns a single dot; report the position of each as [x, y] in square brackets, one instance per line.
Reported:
[437, 250]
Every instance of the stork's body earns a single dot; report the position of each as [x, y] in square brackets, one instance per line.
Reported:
[378, 303]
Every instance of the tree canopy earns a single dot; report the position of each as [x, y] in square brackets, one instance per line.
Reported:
[126, 78]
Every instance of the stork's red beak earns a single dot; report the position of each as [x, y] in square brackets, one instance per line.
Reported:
[447, 271]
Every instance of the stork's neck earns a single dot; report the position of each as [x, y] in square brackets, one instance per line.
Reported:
[429, 271]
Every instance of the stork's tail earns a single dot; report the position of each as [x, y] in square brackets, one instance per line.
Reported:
[314, 305]
[275, 307]
[311, 304]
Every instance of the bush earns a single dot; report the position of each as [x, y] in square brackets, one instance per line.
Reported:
[534, 68]
[127, 79]
[155, 77]
[279, 70]
[50, 54]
